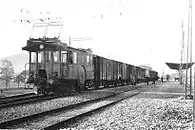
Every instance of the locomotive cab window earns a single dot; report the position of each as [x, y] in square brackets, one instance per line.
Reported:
[56, 56]
[64, 56]
[71, 57]
[74, 57]
[91, 59]
[50, 58]
[40, 57]
[47, 56]
[33, 57]
[87, 59]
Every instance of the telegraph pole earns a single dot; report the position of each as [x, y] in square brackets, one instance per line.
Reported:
[69, 41]
[181, 60]
[190, 8]
[186, 84]
[190, 40]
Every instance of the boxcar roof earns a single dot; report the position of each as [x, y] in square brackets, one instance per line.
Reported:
[114, 60]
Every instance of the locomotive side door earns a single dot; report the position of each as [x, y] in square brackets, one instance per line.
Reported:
[96, 62]
[72, 65]
[64, 62]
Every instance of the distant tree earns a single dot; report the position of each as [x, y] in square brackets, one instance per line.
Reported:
[6, 72]
[20, 78]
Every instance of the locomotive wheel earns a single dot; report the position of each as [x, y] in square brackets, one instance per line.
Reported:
[106, 85]
[96, 86]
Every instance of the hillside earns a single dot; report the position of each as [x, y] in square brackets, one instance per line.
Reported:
[18, 61]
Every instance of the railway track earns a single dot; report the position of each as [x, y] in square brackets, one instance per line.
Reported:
[24, 100]
[3, 99]
[12, 99]
[30, 98]
[55, 118]
[27, 99]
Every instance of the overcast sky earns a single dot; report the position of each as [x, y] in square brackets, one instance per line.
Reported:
[133, 31]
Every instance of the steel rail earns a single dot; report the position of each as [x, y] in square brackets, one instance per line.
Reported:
[32, 99]
[12, 123]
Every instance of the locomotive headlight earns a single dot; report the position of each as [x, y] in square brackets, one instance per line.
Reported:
[41, 46]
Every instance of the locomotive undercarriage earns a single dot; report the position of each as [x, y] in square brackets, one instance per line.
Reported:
[55, 86]
[107, 83]
[61, 86]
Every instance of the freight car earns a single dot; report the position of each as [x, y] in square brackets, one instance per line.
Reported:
[147, 74]
[55, 67]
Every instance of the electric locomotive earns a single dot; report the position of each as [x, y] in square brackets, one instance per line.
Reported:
[55, 67]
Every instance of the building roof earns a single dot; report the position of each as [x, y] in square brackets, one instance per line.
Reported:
[176, 66]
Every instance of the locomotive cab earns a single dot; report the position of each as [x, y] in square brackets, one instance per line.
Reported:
[57, 67]
[57, 63]
[44, 59]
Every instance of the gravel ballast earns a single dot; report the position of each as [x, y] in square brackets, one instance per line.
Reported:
[66, 114]
[15, 112]
[145, 111]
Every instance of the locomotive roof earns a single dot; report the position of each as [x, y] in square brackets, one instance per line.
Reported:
[80, 49]
[50, 44]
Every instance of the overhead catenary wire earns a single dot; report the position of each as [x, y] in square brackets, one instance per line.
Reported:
[76, 39]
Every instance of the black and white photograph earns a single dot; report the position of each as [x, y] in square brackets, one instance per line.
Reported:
[97, 65]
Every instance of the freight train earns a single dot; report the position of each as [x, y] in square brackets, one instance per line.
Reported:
[55, 67]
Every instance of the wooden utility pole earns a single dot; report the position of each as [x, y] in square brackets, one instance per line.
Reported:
[69, 41]
[190, 11]
[190, 40]
[181, 60]
[193, 124]
[186, 84]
